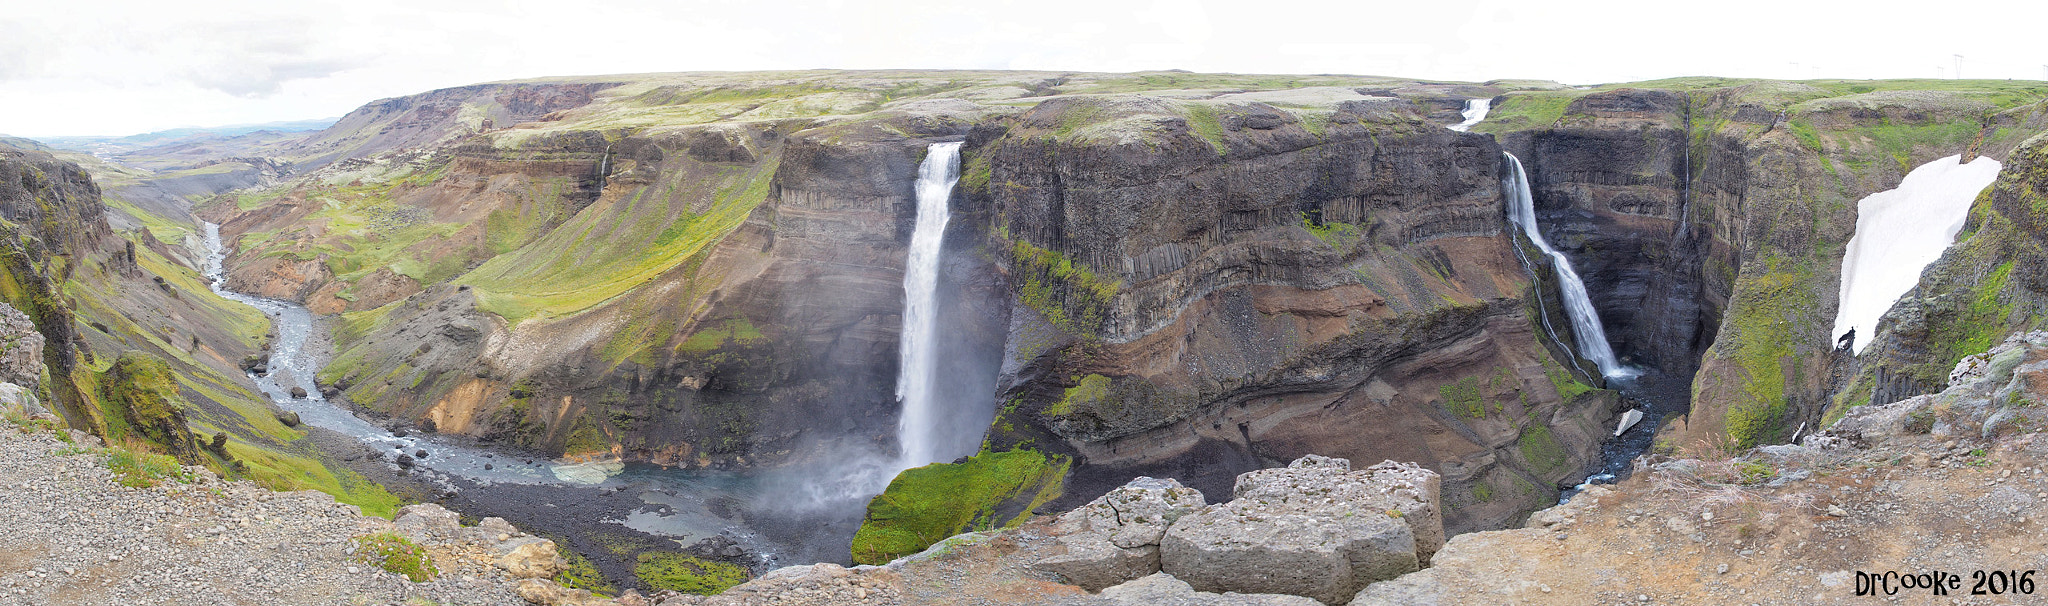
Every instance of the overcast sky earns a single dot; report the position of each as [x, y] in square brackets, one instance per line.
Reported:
[86, 67]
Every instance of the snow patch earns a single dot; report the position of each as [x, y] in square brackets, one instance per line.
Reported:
[1899, 232]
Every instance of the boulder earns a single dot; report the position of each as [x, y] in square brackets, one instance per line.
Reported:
[18, 400]
[547, 593]
[1161, 589]
[1115, 538]
[529, 558]
[1314, 529]
[21, 349]
[288, 418]
[427, 521]
[299, 392]
[1886, 420]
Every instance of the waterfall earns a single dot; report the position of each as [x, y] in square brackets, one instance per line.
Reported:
[918, 427]
[1475, 110]
[1898, 233]
[1586, 329]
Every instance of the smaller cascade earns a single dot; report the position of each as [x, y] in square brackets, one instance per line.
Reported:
[1586, 328]
[1475, 111]
[1899, 232]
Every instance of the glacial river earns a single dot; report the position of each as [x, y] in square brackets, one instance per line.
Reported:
[684, 505]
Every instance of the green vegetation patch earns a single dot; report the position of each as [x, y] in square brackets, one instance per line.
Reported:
[1338, 235]
[1527, 109]
[396, 554]
[1541, 449]
[1068, 294]
[1203, 122]
[1463, 398]
[1086, 395]
[686, 574]
[141, 469]
[580, 573]
[925, 505]
[734, 331]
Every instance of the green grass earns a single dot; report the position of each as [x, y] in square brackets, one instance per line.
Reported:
[599, 254]
[396, 554]
[925, 505]
[141, 469]
[686, 574]
[1527, 110]
[1203, 122]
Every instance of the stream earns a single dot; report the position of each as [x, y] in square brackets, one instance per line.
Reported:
[685, 506]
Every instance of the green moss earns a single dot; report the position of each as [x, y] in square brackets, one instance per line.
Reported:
[686, 574]
[585, 437]
[1568, 387]
[925, 505]
[1086, 395]
[580, 573]
[1463, 398]
[979, 171]
[1541, 450]
[1482, 492]
[1067, 294]
[1751, 423]
[1337, 235]
[396, 554]
[734, 331]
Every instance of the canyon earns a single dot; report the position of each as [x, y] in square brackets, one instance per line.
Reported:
[1187, 276]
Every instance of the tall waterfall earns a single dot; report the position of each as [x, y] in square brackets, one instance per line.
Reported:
[919, 425]
[1586, 329]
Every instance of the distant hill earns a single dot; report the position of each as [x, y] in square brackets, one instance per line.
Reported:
[114, 145]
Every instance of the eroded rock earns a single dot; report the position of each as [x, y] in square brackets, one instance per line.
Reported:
[1313, 529]
[1115, 538]
[1161, 589]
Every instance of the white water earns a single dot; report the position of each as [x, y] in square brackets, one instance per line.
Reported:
[1586, 329]
[1899, 232]
[291, 366]
[1475, 111]
[917, 430]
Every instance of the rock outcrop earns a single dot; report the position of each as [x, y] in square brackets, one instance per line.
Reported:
[1313, 529]
[1115, 538]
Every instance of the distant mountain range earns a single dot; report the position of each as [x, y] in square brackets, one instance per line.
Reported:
[111, 144]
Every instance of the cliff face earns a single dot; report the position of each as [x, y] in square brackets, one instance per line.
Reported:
[1208, 287]
[1992, 283]
[1222, 280]
[1709, 218]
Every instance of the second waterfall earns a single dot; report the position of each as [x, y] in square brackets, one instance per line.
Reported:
[916, 386]
[1586, 329]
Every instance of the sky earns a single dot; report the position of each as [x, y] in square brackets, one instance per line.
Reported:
[99, 67]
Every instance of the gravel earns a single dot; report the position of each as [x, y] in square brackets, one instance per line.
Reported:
[74, 536]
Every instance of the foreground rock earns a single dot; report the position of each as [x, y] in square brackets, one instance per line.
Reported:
[1314, 529]
[1952, 482]
[74, 536]
[1115, 538]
